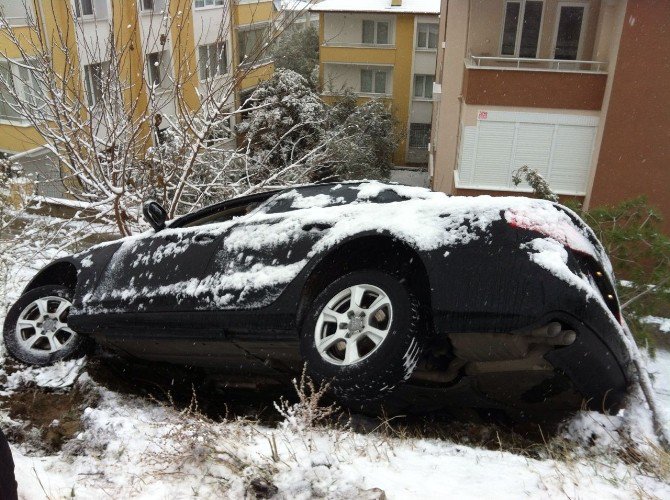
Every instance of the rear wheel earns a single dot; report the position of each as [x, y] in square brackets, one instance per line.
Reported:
[36, 331]
[364, 334]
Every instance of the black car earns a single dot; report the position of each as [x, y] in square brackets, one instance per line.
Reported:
[493, 301]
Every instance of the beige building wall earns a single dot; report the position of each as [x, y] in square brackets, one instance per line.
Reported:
[486, 23]
[474, 27]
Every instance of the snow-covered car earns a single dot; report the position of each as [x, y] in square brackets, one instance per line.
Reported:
[372, 285]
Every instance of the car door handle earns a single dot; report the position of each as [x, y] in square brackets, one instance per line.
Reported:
[204, 238]
[316, 226]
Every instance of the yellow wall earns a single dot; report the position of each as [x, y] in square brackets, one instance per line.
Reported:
[249, 13]
[15, 139]
[184, 51]
[402, 79]
[399, 57]
[242, 15]
[257, 75]
[125, 18]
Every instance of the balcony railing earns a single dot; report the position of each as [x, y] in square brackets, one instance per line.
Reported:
[532, 64]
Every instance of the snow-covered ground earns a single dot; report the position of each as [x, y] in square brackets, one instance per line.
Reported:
[132, 447]
[129, 446]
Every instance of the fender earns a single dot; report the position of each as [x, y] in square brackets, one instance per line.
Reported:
[63, 271]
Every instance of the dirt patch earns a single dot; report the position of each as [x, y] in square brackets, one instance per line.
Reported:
[45, 419]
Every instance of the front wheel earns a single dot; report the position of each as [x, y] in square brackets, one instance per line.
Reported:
[364, 335]
[36, 330]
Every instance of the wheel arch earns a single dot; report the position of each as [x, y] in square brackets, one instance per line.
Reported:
[61, 272]
[381, 251]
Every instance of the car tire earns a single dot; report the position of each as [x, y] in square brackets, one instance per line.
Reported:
[46, 338]
[385, 360]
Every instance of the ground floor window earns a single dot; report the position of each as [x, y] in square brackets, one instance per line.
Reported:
[419, 135]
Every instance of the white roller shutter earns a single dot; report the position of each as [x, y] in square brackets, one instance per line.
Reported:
[466, 152]
[533, 147]
[572, 158]
[558, 146]
[494, 150]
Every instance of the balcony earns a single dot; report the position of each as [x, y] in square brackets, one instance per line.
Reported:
[534, 83]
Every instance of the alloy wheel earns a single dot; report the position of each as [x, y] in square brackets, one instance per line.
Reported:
[42, 325]
[353, 324]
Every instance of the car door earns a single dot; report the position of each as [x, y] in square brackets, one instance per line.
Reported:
[158, 272]
[166, 272]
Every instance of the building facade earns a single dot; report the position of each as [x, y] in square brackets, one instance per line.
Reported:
[572, 89]
[383, 49]
[187, 44]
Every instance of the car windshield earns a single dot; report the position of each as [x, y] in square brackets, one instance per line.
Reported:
[223, 212]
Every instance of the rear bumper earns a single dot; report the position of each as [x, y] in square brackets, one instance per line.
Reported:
[597, 362]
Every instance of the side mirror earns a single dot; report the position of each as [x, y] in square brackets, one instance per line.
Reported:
[154, 214]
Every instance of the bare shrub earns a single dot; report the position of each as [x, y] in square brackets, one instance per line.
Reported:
[310, 409]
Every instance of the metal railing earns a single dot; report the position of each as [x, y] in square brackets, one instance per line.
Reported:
[532, 64]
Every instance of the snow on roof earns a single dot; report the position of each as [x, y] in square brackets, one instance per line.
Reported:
[293, 5]
[407, 6]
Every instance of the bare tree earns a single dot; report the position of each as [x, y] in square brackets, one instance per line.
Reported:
[125, 109]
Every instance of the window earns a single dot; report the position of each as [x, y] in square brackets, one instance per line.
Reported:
[373, 81]
[207, 3]
[83, 8]
[419, 135]
[158, 68]
[17, 13]
[423, 86]
[17, 82]
[376, 32]
[95, 76]
[212, 60]
[155, 6]
[569, 31]
[251, 43]
[426, 35]
[521, 28]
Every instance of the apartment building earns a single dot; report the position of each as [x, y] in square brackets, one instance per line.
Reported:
[253, 23]
[184, 43]
[574, 89]
[383, 49]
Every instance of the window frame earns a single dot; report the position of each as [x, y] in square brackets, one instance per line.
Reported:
[582, 31]
[192, 220]
[213, 5]
[263, 58]
[143, 7]
[91, 98]
[423, 77]
[78, 9]
[208, 46]
[430, 26]
[163, 68]
[375, 32]
[519, 28]
[373, 82]
[27, 91]
[426, 133]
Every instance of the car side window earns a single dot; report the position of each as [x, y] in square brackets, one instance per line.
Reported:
[223, 215]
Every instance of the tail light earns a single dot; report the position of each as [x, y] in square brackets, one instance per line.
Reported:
[554, 224]
[560, 227]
